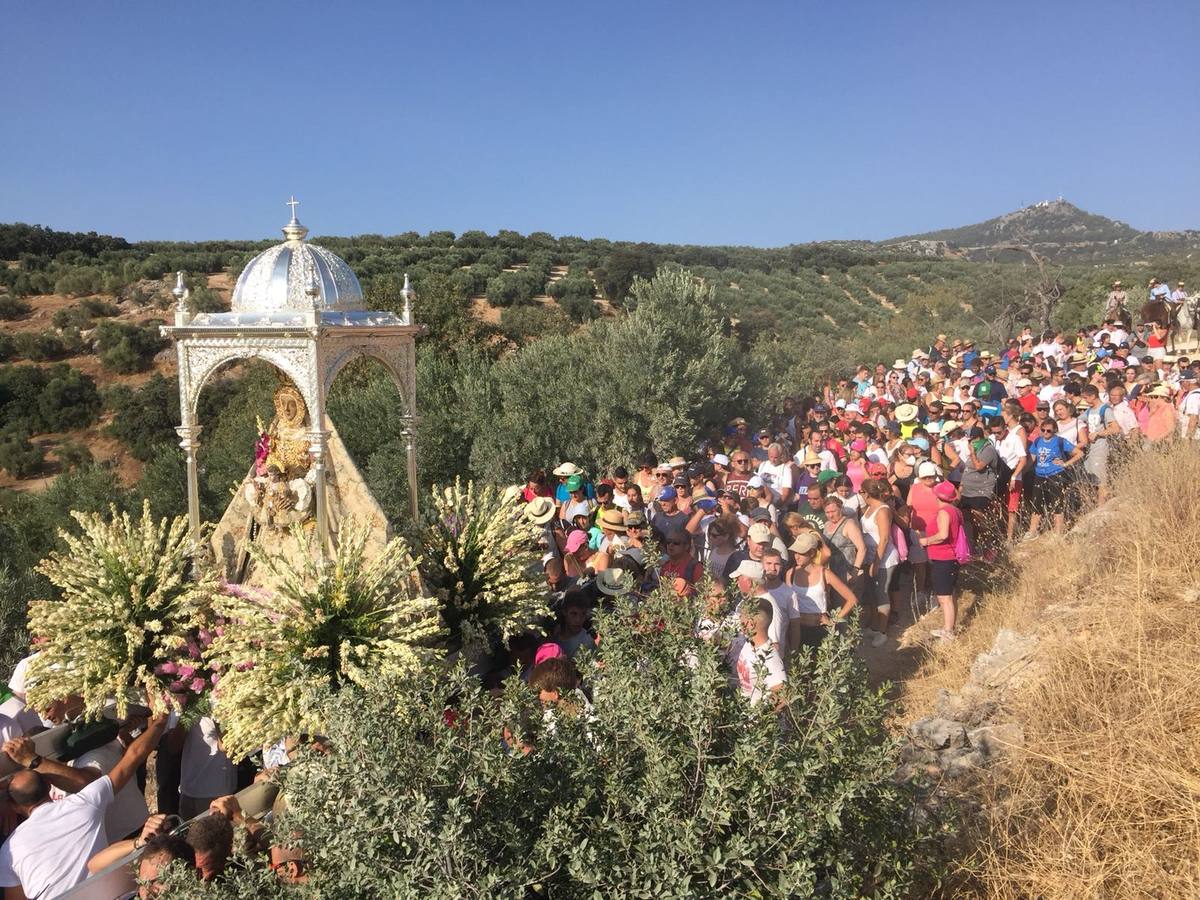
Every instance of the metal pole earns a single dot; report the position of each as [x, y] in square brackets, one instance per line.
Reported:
[190, 442]
[411, 450]
[317, 447]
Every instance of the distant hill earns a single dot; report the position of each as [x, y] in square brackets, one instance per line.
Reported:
[1056, 228]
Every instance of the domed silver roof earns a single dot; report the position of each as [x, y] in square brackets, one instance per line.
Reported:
[296, 276]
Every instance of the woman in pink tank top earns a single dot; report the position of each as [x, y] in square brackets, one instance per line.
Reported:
[939, 539]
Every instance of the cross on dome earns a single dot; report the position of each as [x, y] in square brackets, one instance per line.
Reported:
[293, 203]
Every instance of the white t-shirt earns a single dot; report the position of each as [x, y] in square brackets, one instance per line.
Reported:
[1012, 448]
[205, 770]
[128, 811]
[758, 670]
[48, 853]
[1050, 393]
[777, 476]
[780, 616]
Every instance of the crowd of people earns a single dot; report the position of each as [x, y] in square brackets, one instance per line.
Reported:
[871, 494]
[864, 498]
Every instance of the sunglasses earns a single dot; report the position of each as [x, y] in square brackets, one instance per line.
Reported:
[1047, 431]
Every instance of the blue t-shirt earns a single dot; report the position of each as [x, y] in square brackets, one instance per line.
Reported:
[1045, 450]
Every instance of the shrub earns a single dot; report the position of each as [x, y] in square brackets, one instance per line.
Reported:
[13, 307]
[144, 418]
[72, 317]
[98, 308]
[668, 784]
[69, 400]
[127, 348]
[511, 289]
[20, 457]
[73, 455]
[41, 346]
[521, 324]
[579, 308]
[205, 300]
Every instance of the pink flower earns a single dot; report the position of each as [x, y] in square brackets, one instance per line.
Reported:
[220, 631]
[167, 668]
[215, 678]
[186, 671]
[199, 684]
[193, 649]
[245, 666]
[205, 637]
[175, 687]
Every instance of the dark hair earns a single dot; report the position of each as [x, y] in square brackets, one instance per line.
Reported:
[37, 790]
[212, 834]
[555, 674]
[1014, 408]
[620, 472]
[174, 846]
[842, 481]
[576, 597]
[650, 460]
[1090, 390]
[876, 488]
[537, 476]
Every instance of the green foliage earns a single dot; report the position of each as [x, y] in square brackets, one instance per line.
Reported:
[55, 398]
[19, 456]
[143, 418]
[512, 288]
[127, 348]
[73, 455]
[521, 324]
[655, 379]
[616, 276]
[668, 785]
[580, 308]
[13, 307]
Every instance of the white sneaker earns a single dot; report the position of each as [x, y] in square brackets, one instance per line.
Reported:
[942, 634]
[878, 639]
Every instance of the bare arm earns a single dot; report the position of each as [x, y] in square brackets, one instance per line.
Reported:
[66, 778]
[943, 532]
[137, 753]
[855, 534]
[693, 524]
[848, 599]
[156, 824]
[883, 524]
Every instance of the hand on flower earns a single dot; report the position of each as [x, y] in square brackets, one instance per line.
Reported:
[20, 750]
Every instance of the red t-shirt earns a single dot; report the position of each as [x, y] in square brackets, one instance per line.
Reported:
[1029, 403]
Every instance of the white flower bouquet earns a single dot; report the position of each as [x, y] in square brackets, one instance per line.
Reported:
[352, 620]
[128, 609]
[480, 559]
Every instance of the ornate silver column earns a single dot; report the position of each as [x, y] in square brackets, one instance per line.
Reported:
[317, 447]
[189, 440]
[410, 448]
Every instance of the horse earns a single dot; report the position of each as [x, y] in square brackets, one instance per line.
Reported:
[1186, 324]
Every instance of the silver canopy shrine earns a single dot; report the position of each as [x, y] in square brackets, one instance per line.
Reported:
[300, 308]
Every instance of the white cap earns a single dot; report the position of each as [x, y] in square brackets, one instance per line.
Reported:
[1024, 382]
[840, 404]
[754, 482]
[927, 468]
[967, 373]
[759, 533]
[749, 569]
[720, 459]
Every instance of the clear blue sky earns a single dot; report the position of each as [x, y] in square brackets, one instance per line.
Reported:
[697, 122]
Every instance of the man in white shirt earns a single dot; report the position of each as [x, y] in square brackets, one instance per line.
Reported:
[1190, 406]
[759, 666]
[783, 597]
[128, 811]
[776, 473]
[48, 853]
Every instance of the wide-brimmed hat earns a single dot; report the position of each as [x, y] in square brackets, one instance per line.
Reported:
[676, 462]
[567, 469]
[906, 412]
[635, 518]
[899, 365]
[540, 510]
[1116, 284]
[612, 520]
[811, 458]
[615, 582]
[1159, 390]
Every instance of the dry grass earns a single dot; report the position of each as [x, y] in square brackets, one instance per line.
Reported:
[1103, 800]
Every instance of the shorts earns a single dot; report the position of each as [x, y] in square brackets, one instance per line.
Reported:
[976, 503]
[1096, 463]
[944, 576]
[1016, 487]
[1049, 494]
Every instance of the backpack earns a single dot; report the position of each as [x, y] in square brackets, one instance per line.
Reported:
[962, 547]
[901, 542]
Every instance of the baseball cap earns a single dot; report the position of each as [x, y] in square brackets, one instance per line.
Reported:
[806, 542]
[759, 533]
[748, 568]
[928, 469]
[720, 459]
[755, 482]
[760, 514]
[668, 493]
